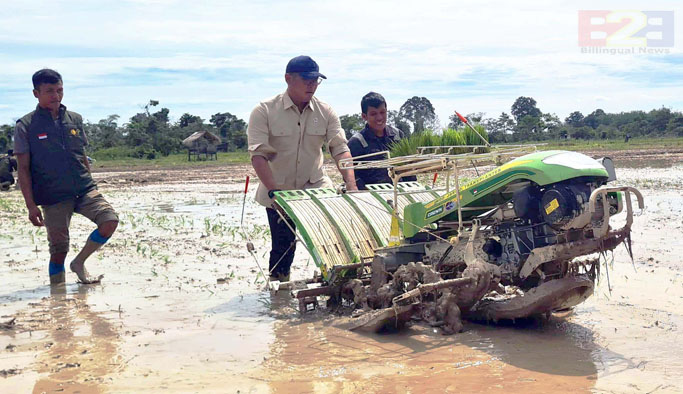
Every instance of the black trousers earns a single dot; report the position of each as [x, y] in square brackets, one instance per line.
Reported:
[283, 244]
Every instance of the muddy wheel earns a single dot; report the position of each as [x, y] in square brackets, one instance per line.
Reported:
[550, 296]
[382, 320]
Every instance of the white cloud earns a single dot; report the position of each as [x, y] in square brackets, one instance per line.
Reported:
[227, 55]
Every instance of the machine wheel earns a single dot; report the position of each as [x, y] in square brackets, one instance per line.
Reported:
[550, 296]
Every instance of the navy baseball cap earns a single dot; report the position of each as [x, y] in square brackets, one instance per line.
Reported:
[304, 66]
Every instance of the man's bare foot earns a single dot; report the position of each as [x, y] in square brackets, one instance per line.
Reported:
[82, 273]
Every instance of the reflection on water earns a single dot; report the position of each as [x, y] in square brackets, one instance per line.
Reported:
[317, 355]
[220, 207]
[82, 346]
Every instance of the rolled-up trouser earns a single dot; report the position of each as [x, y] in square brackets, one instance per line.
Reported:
[57, 217]
[281, 240]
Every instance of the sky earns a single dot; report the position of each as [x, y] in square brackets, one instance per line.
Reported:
[208, 56]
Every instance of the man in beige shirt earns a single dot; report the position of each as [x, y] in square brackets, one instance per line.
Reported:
[286, 134]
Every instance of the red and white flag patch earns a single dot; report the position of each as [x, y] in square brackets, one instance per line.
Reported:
[42, 136]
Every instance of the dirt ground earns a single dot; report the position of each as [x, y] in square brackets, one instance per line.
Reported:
[182, 307]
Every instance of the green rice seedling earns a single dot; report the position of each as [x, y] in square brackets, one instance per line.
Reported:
[453, 137]
[207, 226]
[406, 146]
[449, 137]
[258, 278]
[6, 205]
[265, 302]
[472, 138]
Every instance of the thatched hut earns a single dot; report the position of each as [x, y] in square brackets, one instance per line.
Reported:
[202, 142]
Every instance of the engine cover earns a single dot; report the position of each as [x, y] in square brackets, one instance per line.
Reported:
[563, 202]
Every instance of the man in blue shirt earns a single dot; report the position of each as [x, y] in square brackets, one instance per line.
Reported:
[377, 136]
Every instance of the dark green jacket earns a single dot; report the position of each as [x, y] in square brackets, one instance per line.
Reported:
[58, 172]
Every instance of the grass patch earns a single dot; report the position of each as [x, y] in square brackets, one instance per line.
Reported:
[111, 159]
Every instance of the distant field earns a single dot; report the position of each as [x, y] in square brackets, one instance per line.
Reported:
[616, 144]
[170, 161]
[180, 159]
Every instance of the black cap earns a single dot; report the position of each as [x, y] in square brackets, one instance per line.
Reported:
[304, 66]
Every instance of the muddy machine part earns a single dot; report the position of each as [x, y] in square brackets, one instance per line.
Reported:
[519, 240]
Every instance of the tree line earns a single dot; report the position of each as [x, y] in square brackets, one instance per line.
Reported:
[526, 122]
[149, 134]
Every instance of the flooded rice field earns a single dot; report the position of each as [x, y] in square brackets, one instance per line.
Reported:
[182, 307]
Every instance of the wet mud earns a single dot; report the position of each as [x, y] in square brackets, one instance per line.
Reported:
[182, 308]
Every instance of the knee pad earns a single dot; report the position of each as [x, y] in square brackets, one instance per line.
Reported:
[54, 268]
[96, 237]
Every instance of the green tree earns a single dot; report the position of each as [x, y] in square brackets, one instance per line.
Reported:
[232, 129]
[104, 134]
[575, 119]
[419, 111]
[607, 132]
[396, 121]
[454, 121]
[148, 133]
[499, 129]
[659, 118]
[351, 124]
[6, 133]
[583, 133]
[506, 123]
[595, 119]
[187, 119]
[524, 106]
[551, 124]
[675, 125]
[528, 128]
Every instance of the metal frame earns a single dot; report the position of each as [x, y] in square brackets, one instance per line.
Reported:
[430, 159]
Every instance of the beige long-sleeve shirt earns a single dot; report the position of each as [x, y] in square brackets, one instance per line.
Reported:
[292, 142]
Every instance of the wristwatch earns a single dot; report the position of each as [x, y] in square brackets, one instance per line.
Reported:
[271, 193]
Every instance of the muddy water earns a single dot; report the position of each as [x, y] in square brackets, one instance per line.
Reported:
[319, 357]
[182, 309]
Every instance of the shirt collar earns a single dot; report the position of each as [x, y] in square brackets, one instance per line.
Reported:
[62, 109]
[388, 131]
[287, 102]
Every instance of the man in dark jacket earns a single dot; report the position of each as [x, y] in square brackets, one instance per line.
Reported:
[377, 136]
[54, 174]
[8, 164]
